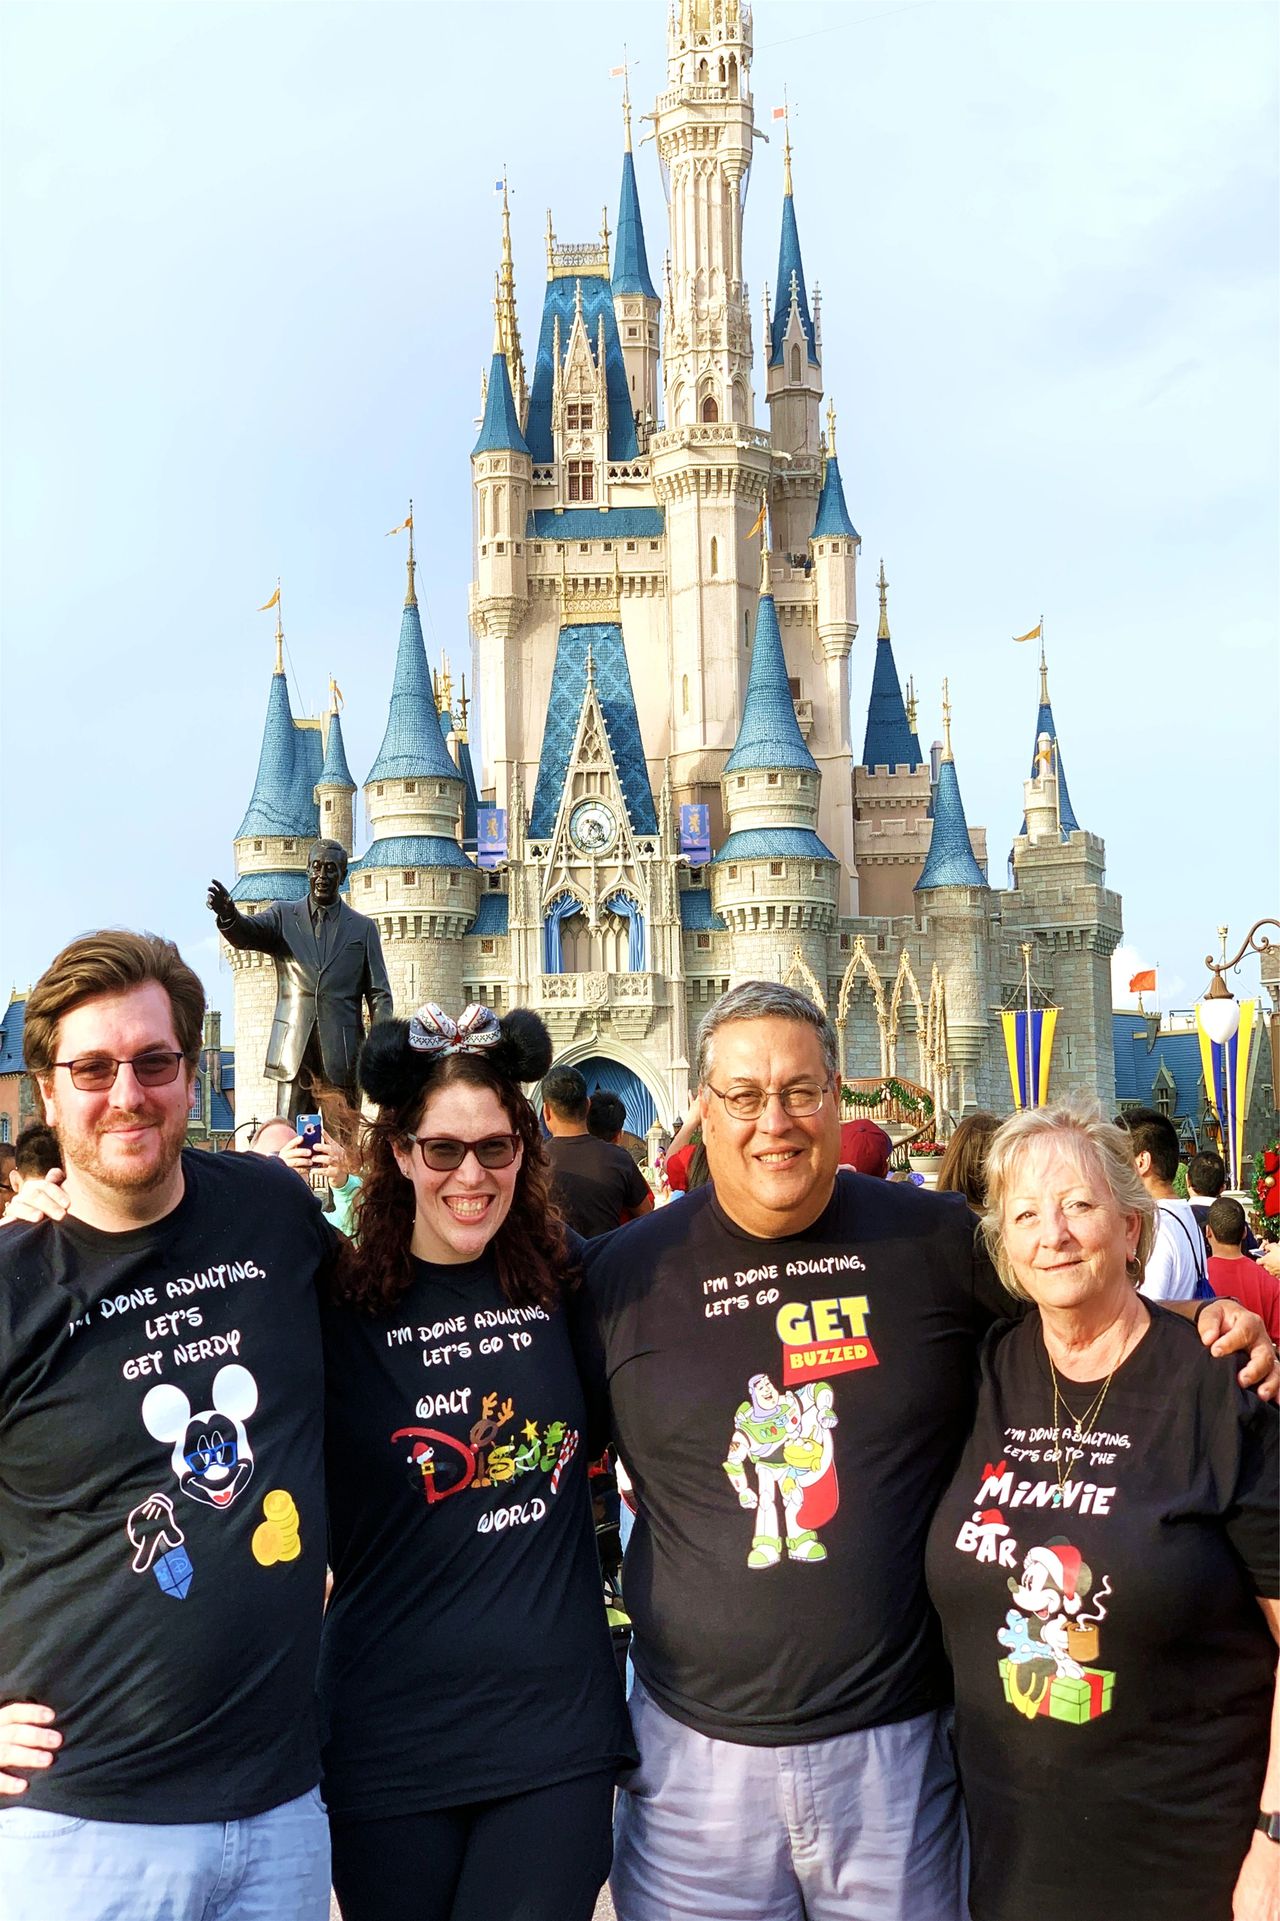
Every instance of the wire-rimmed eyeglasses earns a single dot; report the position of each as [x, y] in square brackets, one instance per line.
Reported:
[798, 1100]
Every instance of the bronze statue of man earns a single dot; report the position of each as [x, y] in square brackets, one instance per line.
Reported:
[328, 963]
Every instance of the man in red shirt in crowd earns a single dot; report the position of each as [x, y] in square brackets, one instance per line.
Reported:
[1232, 1273]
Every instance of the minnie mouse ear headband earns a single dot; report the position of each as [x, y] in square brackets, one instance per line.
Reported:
[398, 1056]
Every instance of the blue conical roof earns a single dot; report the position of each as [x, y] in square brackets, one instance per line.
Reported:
[889, 740]
[769, 735]
[789, 264]
[833, 515]
[413, 746]
[500, 428]
[950, 862]
[630, 267]
[1044, 725]
[335, 772]
[278, 806]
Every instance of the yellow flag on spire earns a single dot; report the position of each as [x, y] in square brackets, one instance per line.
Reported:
[274, 601]
[757, 525]
[406, 522]
[1034, 634]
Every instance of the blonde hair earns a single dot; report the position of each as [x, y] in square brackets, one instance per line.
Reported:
[1097, 1146]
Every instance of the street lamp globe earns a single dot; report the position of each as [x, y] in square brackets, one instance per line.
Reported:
[1220, 1013]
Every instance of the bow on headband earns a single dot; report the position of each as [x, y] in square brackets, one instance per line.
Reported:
[432, 1032]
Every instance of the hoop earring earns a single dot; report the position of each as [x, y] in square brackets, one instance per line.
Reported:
[1133, 1268]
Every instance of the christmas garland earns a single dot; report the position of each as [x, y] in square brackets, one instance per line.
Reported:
[1266, 1187]
[891, 1090]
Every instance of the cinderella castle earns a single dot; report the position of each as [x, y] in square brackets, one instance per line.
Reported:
[675, 795]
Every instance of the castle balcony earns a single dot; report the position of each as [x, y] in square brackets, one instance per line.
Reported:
[711, 434]
[598, 990]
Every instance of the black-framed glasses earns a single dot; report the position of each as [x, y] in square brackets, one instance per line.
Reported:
[441, 1153]
[748, 1103]
[95, 1073]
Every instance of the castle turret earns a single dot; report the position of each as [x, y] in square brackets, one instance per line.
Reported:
[773, 881]
[282, 817]
[502, 474]
[953, 907]
[834, 548]
[793, 384]
[892, 789]
[1060, 900]
[414, 878]
[635, 302]
[335, 788]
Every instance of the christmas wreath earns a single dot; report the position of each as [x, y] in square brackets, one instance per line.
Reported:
[1266, 1187]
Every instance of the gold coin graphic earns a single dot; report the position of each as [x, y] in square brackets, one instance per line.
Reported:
[266, 1544]
[278, 1505]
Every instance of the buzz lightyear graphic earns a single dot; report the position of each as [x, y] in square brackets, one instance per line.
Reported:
[787, 1439]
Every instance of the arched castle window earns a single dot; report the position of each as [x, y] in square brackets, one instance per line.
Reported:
[497, 505]
[795, 366]
[715, 556]
[710, 411]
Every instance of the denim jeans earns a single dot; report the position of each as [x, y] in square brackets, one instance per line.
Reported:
[271, 1867]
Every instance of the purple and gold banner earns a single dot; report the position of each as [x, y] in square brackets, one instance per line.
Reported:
[1227, 1073]
[1030, 1053]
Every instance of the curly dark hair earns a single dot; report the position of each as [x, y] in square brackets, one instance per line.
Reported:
[531, 1248]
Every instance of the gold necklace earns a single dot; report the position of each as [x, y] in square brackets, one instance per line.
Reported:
[1083, 1426]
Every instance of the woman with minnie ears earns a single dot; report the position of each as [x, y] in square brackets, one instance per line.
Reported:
[472, 1715]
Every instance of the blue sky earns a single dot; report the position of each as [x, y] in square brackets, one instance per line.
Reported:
[247, 257]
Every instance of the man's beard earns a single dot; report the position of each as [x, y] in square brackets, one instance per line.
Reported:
[135, 1171]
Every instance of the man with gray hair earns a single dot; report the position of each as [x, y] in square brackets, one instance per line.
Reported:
[791, 1357]
[328, 964]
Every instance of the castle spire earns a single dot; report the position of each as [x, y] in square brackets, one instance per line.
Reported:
[769, 735]
[274, 807]
[508, 325]
[951, 861]
[631, 266]
[412, 746]
[891, 737]
[1045, 725]
[791, 294]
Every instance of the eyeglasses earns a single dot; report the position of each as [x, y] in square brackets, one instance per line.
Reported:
[441, 1153]
[749, 1103]
[95, 1073]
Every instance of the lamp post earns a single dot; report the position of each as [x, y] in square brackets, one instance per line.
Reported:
[1220, 1010]
[1220, 1019]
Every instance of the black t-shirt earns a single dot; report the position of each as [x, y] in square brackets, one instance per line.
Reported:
[162, 1546]
[596, 1182]
[1113, 1670]
[465, 1652]
[789, 1412]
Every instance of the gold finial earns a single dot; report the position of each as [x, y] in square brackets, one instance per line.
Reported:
[464, 708]
[626, 101]
[279, 639]
[335, 697]
[1044, 671]
[946, 724]
[605, 236]
[786, 145]
[911, 703]
[882, 583]
[444, 686]
[551, 243]
[411, 592]
[831, 430]
[766, 580]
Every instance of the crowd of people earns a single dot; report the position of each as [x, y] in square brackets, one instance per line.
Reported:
[953, 1574]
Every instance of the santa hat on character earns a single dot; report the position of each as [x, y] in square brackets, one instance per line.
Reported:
[1066, 1570]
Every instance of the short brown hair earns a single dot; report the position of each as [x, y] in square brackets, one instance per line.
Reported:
[109, 962]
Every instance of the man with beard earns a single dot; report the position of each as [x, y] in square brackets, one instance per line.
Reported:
[162, 1552]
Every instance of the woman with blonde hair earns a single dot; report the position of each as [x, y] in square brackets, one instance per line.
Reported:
[1104, 1564]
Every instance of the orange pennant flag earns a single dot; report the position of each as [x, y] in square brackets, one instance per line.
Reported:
[1144, 983]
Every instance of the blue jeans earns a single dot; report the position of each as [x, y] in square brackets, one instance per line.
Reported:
[272, 1867]
[859, 1827]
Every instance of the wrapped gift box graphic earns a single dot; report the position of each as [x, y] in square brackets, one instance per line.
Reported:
[1067, 1700]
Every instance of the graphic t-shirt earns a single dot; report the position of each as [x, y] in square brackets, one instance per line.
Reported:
[789, 1412]
[595, 1182]
[1113, 1670]
[465, 1652]
[162, 1548]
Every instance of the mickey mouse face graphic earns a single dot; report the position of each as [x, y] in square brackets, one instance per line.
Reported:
[211, 1458]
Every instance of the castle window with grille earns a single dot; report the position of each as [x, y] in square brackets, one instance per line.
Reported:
[632, 332]
[487, 947]
[409, 879]
[453, 880]
[653, 546]
[582, 480]
[817, 871]
[499, 546]
[844, 943]
[793, 686]
[742, 780]
[328, 807]
[379, 790]
[773, 780]
[776, 869]
[290, 846]
[733, 873]
[704, 940]
[368, 880]
[411, 787]
[577, 417]
[257, 846]
[631, 546]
